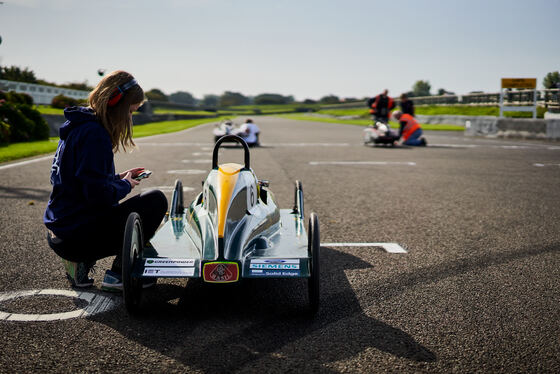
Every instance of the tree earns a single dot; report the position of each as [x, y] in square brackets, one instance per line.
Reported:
[77, 86]
[443, 91]
[421, 88]
[181, 97]
[264, 99]
[15, 73]
[551, 80]
[156, 94]
[210, 101]
[229, 98]
[330, 99]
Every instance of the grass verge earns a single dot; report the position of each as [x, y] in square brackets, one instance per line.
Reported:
[366, 122]
[16, 151]
[20, 150]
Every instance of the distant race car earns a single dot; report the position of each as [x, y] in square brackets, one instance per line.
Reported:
[226, 127]
[379, 133]
[232, 230]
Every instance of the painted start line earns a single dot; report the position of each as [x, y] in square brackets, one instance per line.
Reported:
[95, 304]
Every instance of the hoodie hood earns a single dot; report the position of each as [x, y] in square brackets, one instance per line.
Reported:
[75, 116]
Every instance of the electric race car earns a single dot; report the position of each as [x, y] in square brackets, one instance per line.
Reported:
[379, 133]
[231, 231]
[226, 127]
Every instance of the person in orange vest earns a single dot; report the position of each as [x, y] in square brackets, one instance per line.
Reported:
[381, 106]
[410, 131]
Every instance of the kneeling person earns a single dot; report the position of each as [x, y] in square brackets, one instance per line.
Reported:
[410, 130]
[84, 219]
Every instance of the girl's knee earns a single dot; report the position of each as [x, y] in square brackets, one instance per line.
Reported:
[156, 200]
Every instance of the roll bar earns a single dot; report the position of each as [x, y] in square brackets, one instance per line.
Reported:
[239, 140]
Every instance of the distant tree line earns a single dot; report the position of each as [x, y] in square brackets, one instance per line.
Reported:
[15, 73]
[230, 98]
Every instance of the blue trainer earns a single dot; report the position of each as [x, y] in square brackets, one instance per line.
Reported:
[78, 273]
[112, 282]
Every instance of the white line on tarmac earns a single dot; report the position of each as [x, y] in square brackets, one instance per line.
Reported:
[543, 165]
[16, 164]
[177, 144]
[95, 304]
[197, 161]
[388, 247]
[305, 144]
[187, 172]
[361, 163]
[167, 188]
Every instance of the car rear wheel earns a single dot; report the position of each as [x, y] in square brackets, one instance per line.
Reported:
[131, 255]
[314, 246]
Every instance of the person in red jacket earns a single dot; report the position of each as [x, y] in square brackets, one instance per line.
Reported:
[410, 131]
[380, 106]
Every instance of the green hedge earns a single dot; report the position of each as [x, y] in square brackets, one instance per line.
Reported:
[19, 122]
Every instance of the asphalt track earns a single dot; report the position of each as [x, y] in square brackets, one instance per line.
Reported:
[478, 290]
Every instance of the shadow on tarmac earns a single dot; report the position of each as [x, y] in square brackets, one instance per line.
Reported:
[24, 193]
[219, 329]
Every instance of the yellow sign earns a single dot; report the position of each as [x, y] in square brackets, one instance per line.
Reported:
[519, 82]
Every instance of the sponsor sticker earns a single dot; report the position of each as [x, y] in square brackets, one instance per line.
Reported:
[220, 272]
[168, 272]
[171, 262]
[275, 266]
[275, 273]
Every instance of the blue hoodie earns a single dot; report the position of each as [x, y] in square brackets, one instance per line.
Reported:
[83, 175]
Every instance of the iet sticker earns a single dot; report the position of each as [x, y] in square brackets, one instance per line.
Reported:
[168, 272]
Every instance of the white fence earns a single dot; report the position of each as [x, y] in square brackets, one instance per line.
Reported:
[41, 94]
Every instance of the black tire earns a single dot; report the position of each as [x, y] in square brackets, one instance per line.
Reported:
[298, 199]
[314, 245]
[132, 253]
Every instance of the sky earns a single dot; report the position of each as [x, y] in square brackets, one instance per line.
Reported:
[304, 48]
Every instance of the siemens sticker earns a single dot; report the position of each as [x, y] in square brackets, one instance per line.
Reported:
[275, 266]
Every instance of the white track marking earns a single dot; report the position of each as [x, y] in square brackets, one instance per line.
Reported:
[167, 188]
[22, 163]
[187, 171]
[388, 247]
[361, 163]
[454, 145]
[96, 304]
[202, 154]
[306, 144]
[197, 161]
[540, 165]
[205, 145]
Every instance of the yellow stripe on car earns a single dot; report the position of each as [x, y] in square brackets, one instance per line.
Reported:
[227, 179]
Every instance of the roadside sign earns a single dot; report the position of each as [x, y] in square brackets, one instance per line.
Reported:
[519, 82]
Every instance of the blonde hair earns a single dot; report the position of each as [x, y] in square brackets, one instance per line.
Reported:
[116, 119]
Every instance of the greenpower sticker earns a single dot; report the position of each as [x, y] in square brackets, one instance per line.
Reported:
[170, 262]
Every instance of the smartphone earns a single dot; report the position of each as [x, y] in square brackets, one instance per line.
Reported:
[142, 175]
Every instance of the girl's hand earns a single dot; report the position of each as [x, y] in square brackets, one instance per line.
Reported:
[134, 172]
[133, 182]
